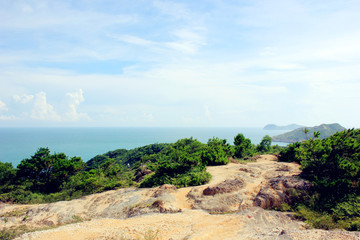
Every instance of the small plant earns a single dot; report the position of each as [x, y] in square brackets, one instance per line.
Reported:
[13, 232]
[151, 235]
[134, 209]
[6, 234]
[285, 207]
[77, 219]
[15, 213]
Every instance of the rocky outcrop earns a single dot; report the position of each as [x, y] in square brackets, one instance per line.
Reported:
[279, 190]
[228, 186]
[231, 206]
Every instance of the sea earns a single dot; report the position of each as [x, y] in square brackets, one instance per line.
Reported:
[17, 144]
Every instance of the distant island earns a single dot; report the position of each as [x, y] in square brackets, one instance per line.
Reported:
[287, 127]
[298, 135]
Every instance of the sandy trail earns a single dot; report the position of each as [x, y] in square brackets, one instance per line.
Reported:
[193, 224]
[181, 216]
[182, 201]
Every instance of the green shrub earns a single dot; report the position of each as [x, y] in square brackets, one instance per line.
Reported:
[333, 166]
[7, 234]
[243, 146]
[315, 219]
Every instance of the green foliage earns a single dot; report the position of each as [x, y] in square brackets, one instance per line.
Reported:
[216, 152]
[181, 164]
[8, 234]
[333, 166]
[302, 134]
[46, 177]
[265, 144]
[151, 235]
[7, 176]
[243, 146]
[45, 172]
[316, 219]
[125, 157]
[276, 149]
[289, 154]
[49, 177]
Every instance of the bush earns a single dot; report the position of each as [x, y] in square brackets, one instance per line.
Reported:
[243, 146]
[315, 219]
[333, 166]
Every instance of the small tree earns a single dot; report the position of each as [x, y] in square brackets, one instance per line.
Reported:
[216, 152]
[265, 144]
[243, 146]
[306, 131]
[7, 176]
[46, 172]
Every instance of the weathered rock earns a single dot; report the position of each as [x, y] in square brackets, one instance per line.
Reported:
[229, 185]
[141, 174]
[278, 190]
[163, 189]
[132, 212]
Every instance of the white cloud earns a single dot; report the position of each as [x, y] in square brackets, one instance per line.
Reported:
[26, 8]
[51, 13]
[188, 40]
[3, 107]
[148, 116]
[42, 110]
[23, 98]
[176, 10]
[133, 40]
[7, 118]
[181, 59]
[75, 98]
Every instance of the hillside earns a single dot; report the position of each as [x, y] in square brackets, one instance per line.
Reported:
[230, 206]
[298, 134]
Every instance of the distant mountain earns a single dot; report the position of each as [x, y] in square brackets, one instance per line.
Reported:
[326, 130]
[287, 127]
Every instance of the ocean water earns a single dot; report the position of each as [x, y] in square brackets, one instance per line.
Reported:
[17, 144]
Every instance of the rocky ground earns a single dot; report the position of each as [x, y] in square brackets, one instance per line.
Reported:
[231, 206]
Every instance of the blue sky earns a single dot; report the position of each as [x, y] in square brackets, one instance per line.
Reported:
[179, 63]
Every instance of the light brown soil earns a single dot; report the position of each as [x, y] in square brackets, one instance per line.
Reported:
[169, 213]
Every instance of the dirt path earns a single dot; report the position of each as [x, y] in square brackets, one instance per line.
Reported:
[169, 213]
[182, 201]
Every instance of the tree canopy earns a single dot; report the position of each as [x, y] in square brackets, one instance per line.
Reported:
[47, 172]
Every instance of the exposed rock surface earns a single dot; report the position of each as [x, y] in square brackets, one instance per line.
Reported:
[188, 213]
[277, 191]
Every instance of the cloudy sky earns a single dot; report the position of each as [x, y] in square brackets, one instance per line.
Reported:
[218, 63]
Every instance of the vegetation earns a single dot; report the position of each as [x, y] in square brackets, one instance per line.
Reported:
[184, 162]
[297, 135]
[333, 166]
[243, 146]
[46, 177]
[126, 157]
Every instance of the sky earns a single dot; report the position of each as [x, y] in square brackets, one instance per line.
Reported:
[159, 63]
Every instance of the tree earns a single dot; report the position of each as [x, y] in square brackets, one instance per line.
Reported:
[333, 164]
[7, 176]
[216, 152]
[45, 172]
[265, 144]
[306, 131]
[243, 146]
[316, 134]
